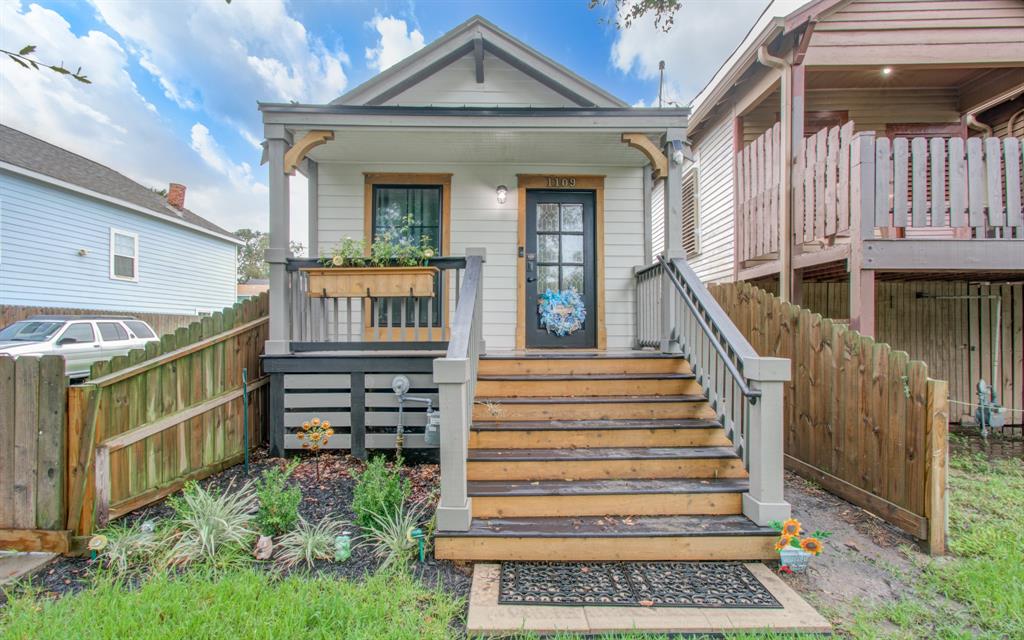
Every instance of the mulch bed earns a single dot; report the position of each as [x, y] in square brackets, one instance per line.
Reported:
[330, 497]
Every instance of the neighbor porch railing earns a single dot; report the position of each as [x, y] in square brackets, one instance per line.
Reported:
[744, 389]
[455, 375]
[367, 322]
[942, 188]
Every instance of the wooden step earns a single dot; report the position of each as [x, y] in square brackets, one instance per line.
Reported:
[490, 409]
[502, 499]
[604, 463]
[680, 537]
[597, 433]
[582, 363]
[599, 384]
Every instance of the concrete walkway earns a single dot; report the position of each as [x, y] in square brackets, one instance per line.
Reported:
[487, 617]
[15, 565]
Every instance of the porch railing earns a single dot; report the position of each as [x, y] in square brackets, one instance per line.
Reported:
[455, 375]
[744, 389]
[943, 188]
[361, 322]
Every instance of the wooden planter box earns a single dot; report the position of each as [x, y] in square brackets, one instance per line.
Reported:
[375, 282]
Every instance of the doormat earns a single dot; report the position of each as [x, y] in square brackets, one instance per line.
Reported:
[713, 585]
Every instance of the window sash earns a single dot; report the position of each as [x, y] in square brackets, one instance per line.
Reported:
[124, 255]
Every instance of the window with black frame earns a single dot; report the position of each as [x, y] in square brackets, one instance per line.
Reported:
[417, 208]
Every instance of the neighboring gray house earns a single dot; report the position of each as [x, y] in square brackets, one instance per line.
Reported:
[75, 234]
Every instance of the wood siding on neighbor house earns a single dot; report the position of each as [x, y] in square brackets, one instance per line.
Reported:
[477, 220]
[713, 156]
[657, 220]
[892, 33]
[46, 228]
[456, 85]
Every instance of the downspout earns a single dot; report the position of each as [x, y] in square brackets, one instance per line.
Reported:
[786, 179]
[1012, 122]
[970, 117]
[971, 121]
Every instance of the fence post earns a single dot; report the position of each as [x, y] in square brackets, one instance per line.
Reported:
[764, 500]
[453, 377]
[936, 446]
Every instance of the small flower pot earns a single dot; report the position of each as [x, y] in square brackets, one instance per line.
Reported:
[374, 282]
[795, 559]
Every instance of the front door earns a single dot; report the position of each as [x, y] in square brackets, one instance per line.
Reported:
[561, 278]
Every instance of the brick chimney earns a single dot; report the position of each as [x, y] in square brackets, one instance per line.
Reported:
[176, 195]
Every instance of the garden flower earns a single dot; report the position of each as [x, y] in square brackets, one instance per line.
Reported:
[784, 541]
[316, 422]
[791, 527]
[812, 546]
[337, 261]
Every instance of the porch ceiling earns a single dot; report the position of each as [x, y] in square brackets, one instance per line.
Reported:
[872, 77]
[603, 148]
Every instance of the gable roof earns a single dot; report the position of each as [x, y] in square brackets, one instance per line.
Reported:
[477, 36]
[35, 156]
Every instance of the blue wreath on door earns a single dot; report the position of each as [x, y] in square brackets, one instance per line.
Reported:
[561, 312]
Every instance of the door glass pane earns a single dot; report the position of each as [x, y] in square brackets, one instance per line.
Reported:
[572, 278]
[572, 217]
[547, 278]
[547, 247]
[547, 217]
[572, 249]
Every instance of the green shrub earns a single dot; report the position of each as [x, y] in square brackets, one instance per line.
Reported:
[279, 501]
[379, 492]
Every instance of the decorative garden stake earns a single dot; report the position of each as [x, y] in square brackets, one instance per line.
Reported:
[314, 436]
[795, 549]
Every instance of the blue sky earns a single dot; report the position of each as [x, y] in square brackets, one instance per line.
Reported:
[175, 83]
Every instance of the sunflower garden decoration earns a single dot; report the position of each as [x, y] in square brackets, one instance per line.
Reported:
[795, 547]
[314, 436]
[561, 312]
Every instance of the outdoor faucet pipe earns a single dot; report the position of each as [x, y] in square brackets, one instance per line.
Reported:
[786, 136]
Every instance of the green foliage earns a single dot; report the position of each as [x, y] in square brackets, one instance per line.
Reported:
[252, 256]
[211, 528]
[238, 605]
[629, 11]
[380, 490]
[279, 501]
[393, 247]
[128, 548]
[309, 543]
[388, 535]
[22, 59]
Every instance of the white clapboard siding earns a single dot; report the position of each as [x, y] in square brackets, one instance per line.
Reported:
[477, 220]
[714, 157]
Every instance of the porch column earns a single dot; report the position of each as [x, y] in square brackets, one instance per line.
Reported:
[313, 210]
[278, 141]
[764, 499]
[673, 207]
[862, 227]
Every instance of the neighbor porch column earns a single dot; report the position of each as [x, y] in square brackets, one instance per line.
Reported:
[278, 141]
[764, 499]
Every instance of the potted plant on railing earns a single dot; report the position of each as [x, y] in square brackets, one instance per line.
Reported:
[794, 547]
[394, 267]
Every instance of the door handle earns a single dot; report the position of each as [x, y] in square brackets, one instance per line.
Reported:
[95, 346]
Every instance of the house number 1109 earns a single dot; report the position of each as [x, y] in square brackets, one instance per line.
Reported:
[556, 181]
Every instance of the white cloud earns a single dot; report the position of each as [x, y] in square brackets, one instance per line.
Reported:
[396, 42]
[705, 33]
[221, 58]
[111, 122]
[239, 174]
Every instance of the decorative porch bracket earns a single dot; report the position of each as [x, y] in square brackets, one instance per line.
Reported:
[298, 151]
[642, 143]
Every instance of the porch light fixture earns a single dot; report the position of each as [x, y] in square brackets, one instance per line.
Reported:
[677, 152]
[886, 71]
[502, 193]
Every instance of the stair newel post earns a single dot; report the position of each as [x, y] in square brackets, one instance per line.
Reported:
[763, 440]
[453, 378]
[669, 332]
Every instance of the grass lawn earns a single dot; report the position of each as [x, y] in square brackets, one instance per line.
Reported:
[977, 592]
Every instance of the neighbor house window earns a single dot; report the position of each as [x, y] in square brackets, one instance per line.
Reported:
[691, 221]
[124, 255]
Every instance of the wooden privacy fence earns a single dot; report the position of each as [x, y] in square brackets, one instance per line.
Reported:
[861, 419]
[145, 423]
[32, 454]
[758, 177]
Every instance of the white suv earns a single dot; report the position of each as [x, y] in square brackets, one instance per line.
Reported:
[82, 340]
